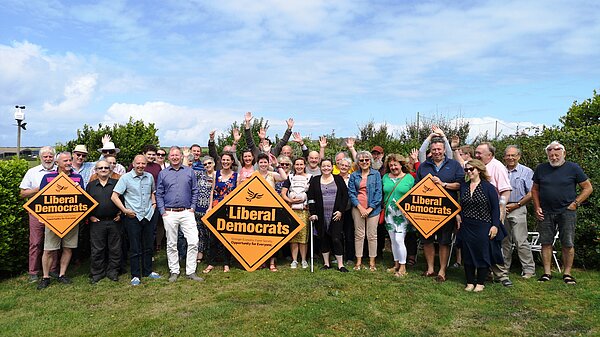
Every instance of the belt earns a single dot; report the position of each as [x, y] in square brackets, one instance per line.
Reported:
[106, 219]
[175, 209]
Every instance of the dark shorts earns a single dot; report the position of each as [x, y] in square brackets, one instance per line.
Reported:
[443, 236]
[563, 222]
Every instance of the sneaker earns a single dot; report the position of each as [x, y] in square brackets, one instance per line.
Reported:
[173, 277]
[343, 269]
[325, 267]
[527, 275]
[304, 264]
[135, 281]
[507, 283]
[153, 275]
[294, 264]
[64, 280]
[44, 283]
[194, 277]
[33, 278]
[456, 265]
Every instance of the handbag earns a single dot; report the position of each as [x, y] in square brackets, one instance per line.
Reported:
[382, 214]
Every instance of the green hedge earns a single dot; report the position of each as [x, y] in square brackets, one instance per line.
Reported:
[14, 224]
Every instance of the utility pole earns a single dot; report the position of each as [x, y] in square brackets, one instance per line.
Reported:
[19, 117]
[496, 131]
[417, 138]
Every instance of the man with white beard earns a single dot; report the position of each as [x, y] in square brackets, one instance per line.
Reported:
[555, 203]
[378, 158]
[30, 185]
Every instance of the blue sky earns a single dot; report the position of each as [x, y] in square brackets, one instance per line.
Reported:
[193, 66]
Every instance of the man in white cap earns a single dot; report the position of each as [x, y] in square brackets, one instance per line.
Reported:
[109, 148]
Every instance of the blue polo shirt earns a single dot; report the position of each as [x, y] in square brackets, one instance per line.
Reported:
[449, 171]
[137, 192]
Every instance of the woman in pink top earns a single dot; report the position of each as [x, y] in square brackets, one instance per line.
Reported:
[247, 166]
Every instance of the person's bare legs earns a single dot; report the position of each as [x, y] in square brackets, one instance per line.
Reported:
[547, 259]
[429, 251]
[444, 255]
[568, 254]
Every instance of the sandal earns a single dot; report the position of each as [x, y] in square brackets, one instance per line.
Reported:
[440, 278]
[372, 268]
[568, 279]
[357, 267]
[428, 274]
[208, 269]
[411, 261]
[226, 269]
[400, 274]
[545, 278]
[273, 268]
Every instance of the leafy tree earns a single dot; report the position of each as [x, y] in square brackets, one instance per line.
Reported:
[129, 138]
[584, 114]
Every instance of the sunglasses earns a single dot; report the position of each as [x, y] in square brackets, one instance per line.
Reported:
[108, 151]
[365, 160]
[103, 168]
[82, 155]
[284, 164]
[161, 154]
[209, 163]
[469, 169]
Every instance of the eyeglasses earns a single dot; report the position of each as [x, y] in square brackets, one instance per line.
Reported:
[108, 151]
[113, 164]
[284, 164]
[209, 163]
[364, 160]
[161, 154]
[82, 155]
[103, 168]
[469, 169]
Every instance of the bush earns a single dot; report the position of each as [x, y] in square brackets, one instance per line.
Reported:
[14, 228]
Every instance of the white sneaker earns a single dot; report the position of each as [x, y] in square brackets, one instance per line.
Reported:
[304, 264]
[154, 275]
[135, 281]
[294, 264]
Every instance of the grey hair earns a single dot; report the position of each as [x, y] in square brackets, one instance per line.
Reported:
[363, 154]
[554, 144]
[513, 147]
[47, 149]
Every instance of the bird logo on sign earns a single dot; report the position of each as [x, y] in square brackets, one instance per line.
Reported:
[427, 189]
[251, 195]
[60, 187]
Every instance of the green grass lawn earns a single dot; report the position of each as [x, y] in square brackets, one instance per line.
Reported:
[298, 303]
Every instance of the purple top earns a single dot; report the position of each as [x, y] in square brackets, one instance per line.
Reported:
[176, 189]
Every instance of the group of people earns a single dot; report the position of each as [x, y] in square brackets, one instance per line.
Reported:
[351, 200]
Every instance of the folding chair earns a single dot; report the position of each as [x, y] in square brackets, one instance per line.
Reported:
[534, 237]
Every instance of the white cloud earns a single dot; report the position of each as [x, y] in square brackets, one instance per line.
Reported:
[77, 95]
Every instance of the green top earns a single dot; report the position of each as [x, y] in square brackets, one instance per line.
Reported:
[394, 219]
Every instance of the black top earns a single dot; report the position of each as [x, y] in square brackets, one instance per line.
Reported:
[315, 200]
[106, 209]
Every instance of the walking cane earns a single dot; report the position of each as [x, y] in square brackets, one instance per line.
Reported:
[311, 247]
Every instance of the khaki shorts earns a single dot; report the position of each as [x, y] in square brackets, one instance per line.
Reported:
[52, 241]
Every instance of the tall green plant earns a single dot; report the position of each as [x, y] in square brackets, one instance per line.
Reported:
[14, 228]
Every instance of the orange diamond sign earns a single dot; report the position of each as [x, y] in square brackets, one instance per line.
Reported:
[61, 205]
[253, 222]
[428, 206]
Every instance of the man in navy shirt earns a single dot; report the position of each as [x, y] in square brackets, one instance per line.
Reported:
[555, 202]
[176, 196]
[51, 241]
[447, 173]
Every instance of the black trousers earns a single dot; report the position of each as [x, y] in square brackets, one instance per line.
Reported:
[349, 253]
[482, 274]
[333, 239]
[105, 245]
